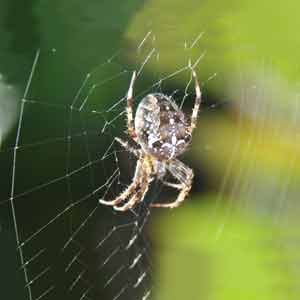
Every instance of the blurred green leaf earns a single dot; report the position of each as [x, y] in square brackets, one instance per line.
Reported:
[220, 253]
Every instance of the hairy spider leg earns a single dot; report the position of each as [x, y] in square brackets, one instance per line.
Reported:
[130, 119]
[130, 189]
[185, 176]
[138, 197]
[129, 148]
[197, 103]
[177, 186]
[180, 198]
[145, 180]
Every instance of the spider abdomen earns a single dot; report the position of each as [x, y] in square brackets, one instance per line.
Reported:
[161, 127]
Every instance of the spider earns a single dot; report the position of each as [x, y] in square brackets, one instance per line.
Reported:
[162, 132]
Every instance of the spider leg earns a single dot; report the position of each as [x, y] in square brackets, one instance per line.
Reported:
[130, 189]
[130, 120]
[185, 176]
[129, 148]
[181, 197]
[197, 103]
[177, 186]
[139, 196]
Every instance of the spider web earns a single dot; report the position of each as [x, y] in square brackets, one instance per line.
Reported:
[61, 159]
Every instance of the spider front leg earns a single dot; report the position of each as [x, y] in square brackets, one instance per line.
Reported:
[130, 119]
[185, 176]
[197, 103]
[139, 196]
[145, 179]
[130, 189]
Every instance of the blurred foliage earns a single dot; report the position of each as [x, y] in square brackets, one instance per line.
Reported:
[209, 252]
[238, 35]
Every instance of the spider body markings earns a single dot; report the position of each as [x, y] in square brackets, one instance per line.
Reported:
[162, 132]
[161, 127]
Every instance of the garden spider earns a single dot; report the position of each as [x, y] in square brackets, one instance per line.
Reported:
[163, 132]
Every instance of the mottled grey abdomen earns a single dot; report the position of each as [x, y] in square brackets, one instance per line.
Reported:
[161, 127]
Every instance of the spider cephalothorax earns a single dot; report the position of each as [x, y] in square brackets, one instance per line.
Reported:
[162, 132]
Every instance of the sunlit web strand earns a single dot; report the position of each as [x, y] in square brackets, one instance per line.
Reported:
[14, 172]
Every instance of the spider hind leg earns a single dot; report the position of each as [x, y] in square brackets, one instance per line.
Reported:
[185, 177]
